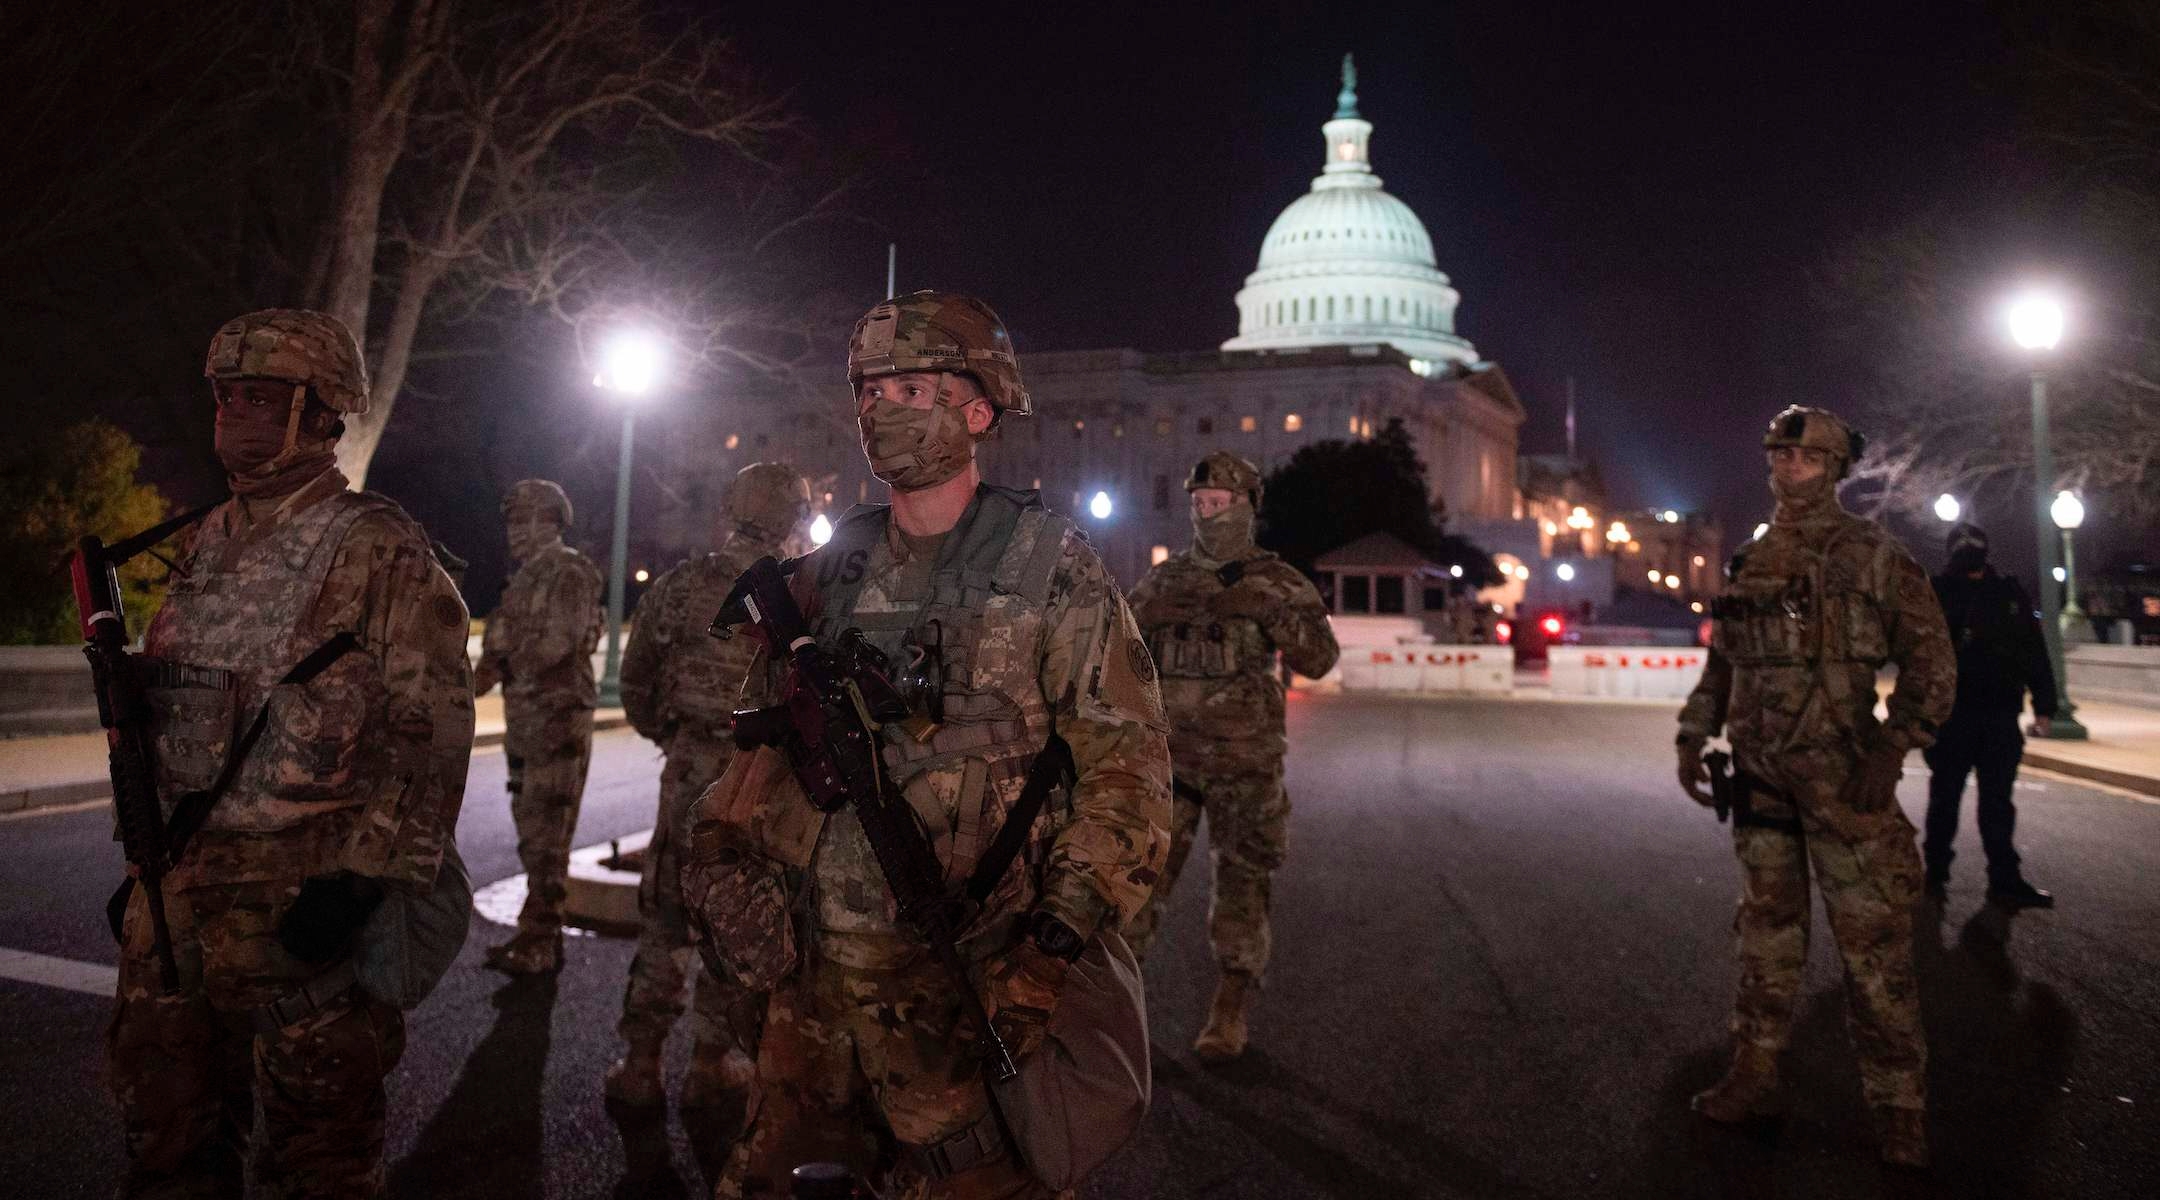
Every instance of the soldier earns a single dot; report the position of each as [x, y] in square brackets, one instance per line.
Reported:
[539, 645]
[1215, 618]
[307, 670]
[1812, 609]
[1015, 638]
[680, 688]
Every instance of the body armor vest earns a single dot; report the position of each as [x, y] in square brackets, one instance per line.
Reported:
[1218, 672]
[983, 624]
[704, 680]
[238, 617]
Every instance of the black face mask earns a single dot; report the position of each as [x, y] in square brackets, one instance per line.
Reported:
[1966, 559]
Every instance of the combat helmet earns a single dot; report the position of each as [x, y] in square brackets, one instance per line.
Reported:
[768, 500]
[1227, 471]
[1817, 429]
[939, 331]
[543, 494]
[296, 345]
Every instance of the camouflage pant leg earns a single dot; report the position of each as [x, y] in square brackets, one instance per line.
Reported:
[548, 754]
[1248, 818]
[1770, 932]
[855, 1063]
[188, 1070]
[665, 964]
[1869, 888]
[1185, 816]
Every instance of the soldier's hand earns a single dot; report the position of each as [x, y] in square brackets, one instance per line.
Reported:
[1874, 785]
[1021, 990]
[1693, 775]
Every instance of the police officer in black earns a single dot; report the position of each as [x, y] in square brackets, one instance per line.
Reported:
[2000, 654]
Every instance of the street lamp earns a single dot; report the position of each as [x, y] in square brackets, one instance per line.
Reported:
[2069, 513]
[1099, 506]
[1947, 509]
[821, 530]
[630, 364]
[2036, 321]
[1566, 572]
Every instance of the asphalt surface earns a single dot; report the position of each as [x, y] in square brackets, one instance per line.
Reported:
[1502, 965]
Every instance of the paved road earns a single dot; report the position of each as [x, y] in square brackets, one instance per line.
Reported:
[1502, 966]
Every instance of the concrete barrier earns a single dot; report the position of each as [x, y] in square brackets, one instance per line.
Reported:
[1427, 667]
[2119, 674]
[1626, 672]
[45, 690]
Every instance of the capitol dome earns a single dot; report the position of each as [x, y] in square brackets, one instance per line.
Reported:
[1346, 263]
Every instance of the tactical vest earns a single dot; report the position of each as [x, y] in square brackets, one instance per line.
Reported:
[214, 653]
[984, 618]
[1790, 605]
[704, 675]
[568, 684]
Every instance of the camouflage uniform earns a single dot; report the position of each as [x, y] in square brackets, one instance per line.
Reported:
[680, 688]
[1811, 611]
[863, 1058]
[361, 769]
[539, 644]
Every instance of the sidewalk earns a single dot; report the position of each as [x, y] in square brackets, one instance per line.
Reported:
[39, 772]
[2124, 750]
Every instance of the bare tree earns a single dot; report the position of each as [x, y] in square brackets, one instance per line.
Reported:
[506, 148]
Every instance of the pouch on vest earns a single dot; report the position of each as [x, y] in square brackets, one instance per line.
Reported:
[1083, 1092]
[735, 904]
[411, 939]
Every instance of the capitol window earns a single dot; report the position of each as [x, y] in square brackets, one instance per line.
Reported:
[1292, 422]
[1117, 430]
[734, 440]
[1079, 427]
[1248, 424]
[1162, 493]
[1162, 427]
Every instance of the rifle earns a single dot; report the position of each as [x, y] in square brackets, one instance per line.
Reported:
[828, 726]
[124, 712]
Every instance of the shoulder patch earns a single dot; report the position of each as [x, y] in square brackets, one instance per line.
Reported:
[1142, 663]
[448, 613]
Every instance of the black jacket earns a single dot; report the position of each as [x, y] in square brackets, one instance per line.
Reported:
[2000, 650]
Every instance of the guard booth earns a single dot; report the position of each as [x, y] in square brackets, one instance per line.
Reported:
[1389, 607]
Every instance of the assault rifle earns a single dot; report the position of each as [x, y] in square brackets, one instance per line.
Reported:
[828, 725]
[124, 712]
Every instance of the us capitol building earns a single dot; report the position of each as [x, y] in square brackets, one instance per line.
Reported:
[1346, 323]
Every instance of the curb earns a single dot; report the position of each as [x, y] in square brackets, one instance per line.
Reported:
[53, 795]
[2143, 785]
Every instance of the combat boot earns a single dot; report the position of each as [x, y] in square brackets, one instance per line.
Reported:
[1223, 1039]
[635, 1078]
[527, 954]
[1904, 1137]
[1748, 1091]
[719, 1074]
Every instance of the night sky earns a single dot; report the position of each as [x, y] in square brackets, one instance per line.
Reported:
[1641, 201]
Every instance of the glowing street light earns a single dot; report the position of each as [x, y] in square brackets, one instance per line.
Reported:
[2036, 321]
[631, 364]
[1673, 582]
[1947, 508]
[1669, 517]
[1761, 530]
[2069, 513]
[1455, 571]
[1617, 532]
[643, 575]
[2036, 324]
[820, 530]
[1100, 507]
[1566, 572]
[1656, 575]
[1580, 518]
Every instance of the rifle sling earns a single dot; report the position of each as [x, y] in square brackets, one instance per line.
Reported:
[192, 809]
[1053, 764]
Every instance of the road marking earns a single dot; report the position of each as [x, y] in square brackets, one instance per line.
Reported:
[54, 810]
[97, 979]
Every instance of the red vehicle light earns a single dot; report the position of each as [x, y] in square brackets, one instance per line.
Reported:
[1503, 632]
[1551, 626]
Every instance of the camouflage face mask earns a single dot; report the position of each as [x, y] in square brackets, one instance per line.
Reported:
[1227, 535]
[916, 448]
[1805, 496]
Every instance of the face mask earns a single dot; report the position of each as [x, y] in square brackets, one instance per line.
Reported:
[257, 457]
[1805, 495]
[530, 534]
[1225, 536]
[916, 448]
[1966, 559]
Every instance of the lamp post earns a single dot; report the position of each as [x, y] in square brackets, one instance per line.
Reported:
[629, 366]
[1947, 509]
[2069, 513]
[2036, 325]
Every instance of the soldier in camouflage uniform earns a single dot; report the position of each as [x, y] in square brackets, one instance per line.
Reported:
[1811, 610]
[1215, 617]
[1015, 635]
[539, 645]
[680, 688]
[322, 610]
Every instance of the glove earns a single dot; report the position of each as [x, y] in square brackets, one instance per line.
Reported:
[1873, 787]
[1693, 775]
[1021, 991]
[330, 909]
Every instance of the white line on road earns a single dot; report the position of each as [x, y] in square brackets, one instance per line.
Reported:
[97, 979]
